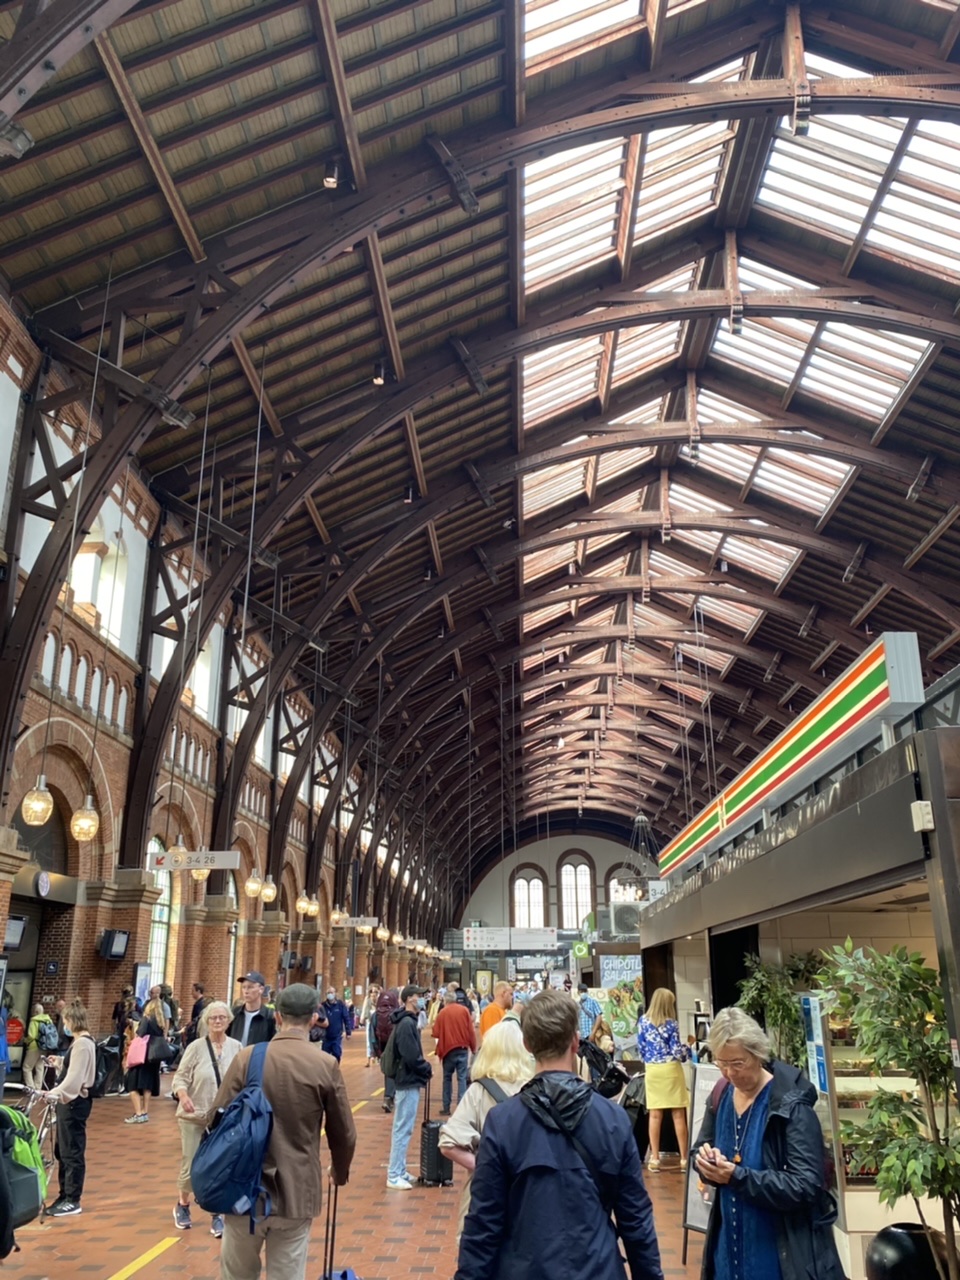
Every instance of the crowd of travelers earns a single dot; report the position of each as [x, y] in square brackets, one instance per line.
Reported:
[552, 1169]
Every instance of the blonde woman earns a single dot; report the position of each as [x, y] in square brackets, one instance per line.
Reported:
[507, 1066]
[658, 1042]
[201, 1069]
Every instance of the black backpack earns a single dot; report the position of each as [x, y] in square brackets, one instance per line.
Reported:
[605, 1075]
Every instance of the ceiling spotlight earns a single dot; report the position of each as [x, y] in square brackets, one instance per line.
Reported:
[408, 496]
[560, 743]
[379, 373]
[331, 175]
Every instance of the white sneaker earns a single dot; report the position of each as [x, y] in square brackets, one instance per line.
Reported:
[399, 1184]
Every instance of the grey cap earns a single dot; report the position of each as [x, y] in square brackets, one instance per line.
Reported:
[296, 1001]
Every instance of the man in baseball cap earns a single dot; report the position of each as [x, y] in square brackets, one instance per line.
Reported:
[252, 1021]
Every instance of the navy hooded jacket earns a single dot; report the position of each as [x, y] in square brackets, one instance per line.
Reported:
[535, 1207]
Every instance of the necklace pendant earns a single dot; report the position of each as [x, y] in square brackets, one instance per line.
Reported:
[736, 1158]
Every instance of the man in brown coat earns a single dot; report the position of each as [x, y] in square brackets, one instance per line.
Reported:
[306, 1091]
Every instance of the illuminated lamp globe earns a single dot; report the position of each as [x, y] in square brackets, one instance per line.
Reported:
[178, 848]
[268, 891]
[336, 915]
[85, 822]
[364, 929]
[200, 873]
[397, 939]
[303, 904]
[37, 804]
[314, 907]
[419, 948]
[253, 884]
[383, 933]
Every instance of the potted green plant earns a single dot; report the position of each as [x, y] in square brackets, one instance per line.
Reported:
[895, 1004]
[769, 993]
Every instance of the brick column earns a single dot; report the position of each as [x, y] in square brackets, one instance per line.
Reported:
[391, 959]
[271, 944]
[310, 944]
[337, 973]
[213, 954]
[248, 947]
[378, 962]
[125, 902]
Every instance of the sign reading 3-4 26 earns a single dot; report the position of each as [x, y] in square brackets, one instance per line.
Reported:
[194, 860]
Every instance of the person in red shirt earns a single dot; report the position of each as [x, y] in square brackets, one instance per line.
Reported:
[456, 1040]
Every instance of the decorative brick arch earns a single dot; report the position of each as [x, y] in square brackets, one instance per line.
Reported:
[70, 775]
[176, 814]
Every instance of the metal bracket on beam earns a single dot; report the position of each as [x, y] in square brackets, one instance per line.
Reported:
[807, 625]
[918, 486]
[492, 623]
[480, 485]
[466, 196]
[77, 357]
[731, 271]
[488, 568]
[771, 671]
[15, 141]
[851, 570]
[477, 380]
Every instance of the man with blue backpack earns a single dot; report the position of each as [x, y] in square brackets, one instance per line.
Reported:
[284, 1093]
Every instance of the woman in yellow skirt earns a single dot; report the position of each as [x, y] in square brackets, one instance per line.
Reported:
[658, 1042]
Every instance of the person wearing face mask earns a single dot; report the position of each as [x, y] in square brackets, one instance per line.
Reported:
[336, 1021]
[412, 1073]
[75, 1075]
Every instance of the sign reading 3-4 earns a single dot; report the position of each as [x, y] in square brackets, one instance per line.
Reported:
[193, 860]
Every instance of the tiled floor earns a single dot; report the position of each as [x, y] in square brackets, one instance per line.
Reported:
[130, 1192]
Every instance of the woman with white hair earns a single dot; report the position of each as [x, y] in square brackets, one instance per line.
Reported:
[761, 1146]
[201, 1069]
[499, 1071]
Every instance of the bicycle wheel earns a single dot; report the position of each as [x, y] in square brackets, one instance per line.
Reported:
[47, 1139]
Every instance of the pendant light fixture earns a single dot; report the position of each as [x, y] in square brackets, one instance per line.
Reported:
[200, 873]
[302, 904]
[253, 883]
[268, 890]
[37, 805]
[85, 822]
[314, 909]
[383, 933]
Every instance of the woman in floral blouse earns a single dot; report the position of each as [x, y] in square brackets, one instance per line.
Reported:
[658, 1043]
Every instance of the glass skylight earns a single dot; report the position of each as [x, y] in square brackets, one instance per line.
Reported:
[553, 25]
[917, 218]
[571, 202]
[553, 486]
[863, 368]
[560, 378]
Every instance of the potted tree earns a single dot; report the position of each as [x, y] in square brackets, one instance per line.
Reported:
[896, 1007]
[769, 993]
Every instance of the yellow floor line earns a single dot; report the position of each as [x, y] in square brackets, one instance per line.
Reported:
[377, 1092]
[139, 1263]
[359, 1105]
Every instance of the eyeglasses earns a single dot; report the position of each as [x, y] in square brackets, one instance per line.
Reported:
[217, 1017]
[734, 1065]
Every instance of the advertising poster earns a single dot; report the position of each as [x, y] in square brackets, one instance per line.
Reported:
[699, 1196]
[622, 1005]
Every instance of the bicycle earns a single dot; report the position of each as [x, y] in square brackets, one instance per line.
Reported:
[47, 1126]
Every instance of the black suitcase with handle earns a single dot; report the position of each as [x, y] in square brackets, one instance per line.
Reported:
[436, 1170]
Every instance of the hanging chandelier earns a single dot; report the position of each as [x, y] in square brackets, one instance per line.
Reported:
[85, 822]
[37, 805]
[253, 884]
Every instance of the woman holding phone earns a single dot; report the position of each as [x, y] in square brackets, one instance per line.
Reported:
[761, 1146]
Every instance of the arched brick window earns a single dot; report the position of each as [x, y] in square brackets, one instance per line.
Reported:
[577, 891]
[528, 898]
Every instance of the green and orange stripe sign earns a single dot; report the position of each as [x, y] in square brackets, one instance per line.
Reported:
[885, 679]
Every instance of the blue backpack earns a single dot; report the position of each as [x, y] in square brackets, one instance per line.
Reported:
[227, 1170]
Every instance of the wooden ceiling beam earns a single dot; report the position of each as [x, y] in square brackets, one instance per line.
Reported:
[515, 87]
[254, 382]
[113, 67]
[381, 299]
[337, 86]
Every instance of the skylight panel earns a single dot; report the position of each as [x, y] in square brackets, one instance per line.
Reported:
[768, 559]
[644, 348]
[554, 25]
[559, 378]
[713, 658]
[553, 486]
[740, 617]
[732, 461]
[548, 560]
[806, 481]
[619, 462]
[680, 176]
[538, 618]
[863, 368]
[775, 345]
[570, 206]
[918, 219]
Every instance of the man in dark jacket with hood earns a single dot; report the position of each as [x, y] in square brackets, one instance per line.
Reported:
[553, 1164]
[412, 1073]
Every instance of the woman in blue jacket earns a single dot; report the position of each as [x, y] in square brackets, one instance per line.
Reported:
[761, 1146]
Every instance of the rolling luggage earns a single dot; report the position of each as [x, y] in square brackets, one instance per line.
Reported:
[330, 1270]
[436, 1170]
